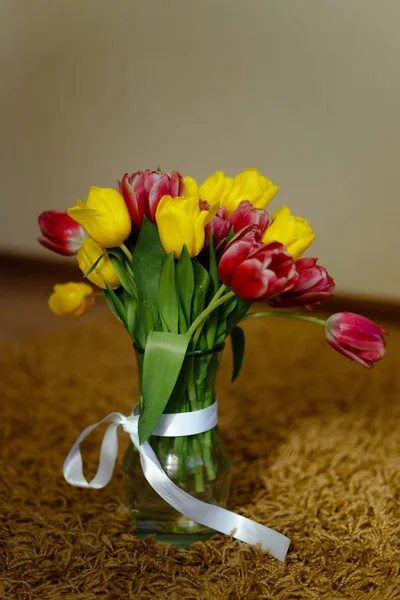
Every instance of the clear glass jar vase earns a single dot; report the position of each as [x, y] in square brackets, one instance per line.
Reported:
[200, 464]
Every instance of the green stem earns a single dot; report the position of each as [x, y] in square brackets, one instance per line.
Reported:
[201, 444]
[215, 302]
[197, 335]
[211, 475]
[273, 313]
[198, 473]
[126, 252]
[180, 445]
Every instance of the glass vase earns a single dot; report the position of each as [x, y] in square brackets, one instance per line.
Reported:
[199, 464]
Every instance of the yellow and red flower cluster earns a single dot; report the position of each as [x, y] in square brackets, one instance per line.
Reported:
[259, 256]
[185, 214]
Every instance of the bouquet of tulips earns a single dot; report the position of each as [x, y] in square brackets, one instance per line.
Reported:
[181, 264]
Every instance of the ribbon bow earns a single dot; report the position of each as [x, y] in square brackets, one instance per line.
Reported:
[171, 425]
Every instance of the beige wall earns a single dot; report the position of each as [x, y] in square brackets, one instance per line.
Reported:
[308, 91]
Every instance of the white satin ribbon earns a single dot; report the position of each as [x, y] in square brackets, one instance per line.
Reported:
[214, 517]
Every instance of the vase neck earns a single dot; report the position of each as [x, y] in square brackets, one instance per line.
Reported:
[195, 386]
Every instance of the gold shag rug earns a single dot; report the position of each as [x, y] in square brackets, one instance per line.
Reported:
[316, 442]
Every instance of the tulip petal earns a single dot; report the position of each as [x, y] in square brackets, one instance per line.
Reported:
[134, 201]
[105, 217]
[104, 270]
[293, 232]
[250, 281]
[158, 189]
[215, 188]
[349, 353]
[252, 186]
[191, 187]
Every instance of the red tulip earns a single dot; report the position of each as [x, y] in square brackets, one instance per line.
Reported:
[220, 227]
[356, 337]
[314, 285]
[143, 190]
[60, 233]
[246, 214]
[256, 271]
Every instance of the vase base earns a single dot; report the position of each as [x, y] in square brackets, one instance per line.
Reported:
[175, 539]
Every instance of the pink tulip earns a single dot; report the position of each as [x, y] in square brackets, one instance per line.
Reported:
[143, 190]
[256, 271]
[246, 214]
[356, 337]
[314, 285]
[60, 233]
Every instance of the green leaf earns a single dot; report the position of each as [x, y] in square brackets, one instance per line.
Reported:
[201, 287]
[130, 309]
[134, 324]
[212, 321]
[185, 283]
[163, 359]
[124, 271]
[94, 265]
[148, 259]
[167, 298]
[225, 310]
[215, 282]
[238, 346]
[115, 303]
[182, 321]
[231, 234]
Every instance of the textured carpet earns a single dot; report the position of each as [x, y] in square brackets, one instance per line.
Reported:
[316, 442]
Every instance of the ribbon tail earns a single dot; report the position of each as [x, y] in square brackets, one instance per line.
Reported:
[214, 517]
[73, 465]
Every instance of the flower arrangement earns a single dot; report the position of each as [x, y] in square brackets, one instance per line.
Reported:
[180, 266]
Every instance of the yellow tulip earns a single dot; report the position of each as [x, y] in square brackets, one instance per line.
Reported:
[191, 187]
[294, 233]
[180, 221]
[252, 186]
[71, 299]
[248, 185]
[104, 217]
[215, 188]
[87, 255]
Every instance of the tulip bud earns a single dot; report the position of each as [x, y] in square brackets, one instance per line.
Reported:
[294, 233]
[104, 270]
[104, 217]
[143, 190]
[60, 233]
[356, 337]
[71, 300]
[256, 271]
[314, 285]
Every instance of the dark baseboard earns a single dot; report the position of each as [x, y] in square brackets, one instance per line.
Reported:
[64, 269]
[375, 308]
